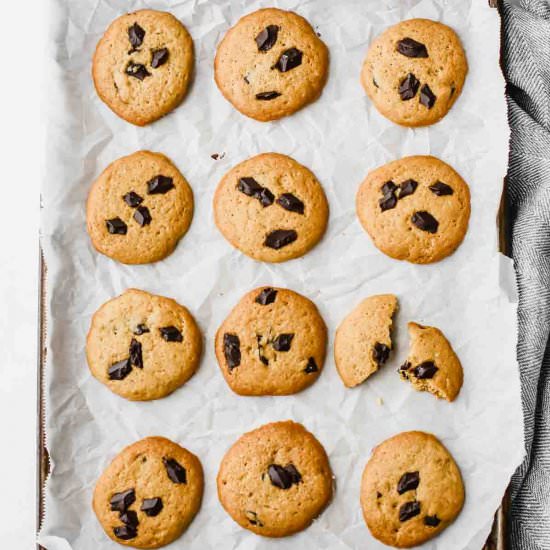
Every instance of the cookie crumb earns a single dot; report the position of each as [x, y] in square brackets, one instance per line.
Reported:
[379, 401]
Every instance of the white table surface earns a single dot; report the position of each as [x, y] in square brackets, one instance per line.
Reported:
[22, 40]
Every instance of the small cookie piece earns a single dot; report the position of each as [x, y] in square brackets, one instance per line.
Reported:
[149, 494]
[411, 490]
[432, 364]
[275, 480]
[139, 208]
[415, 209]
[415, 71]
[142, 65]
[272, 343]
[363, 340]
[271, 64]
[143, 346]
[271, 208]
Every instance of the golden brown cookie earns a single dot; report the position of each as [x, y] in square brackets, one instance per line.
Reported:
[149, 494]
[271, 64]
[271, 208]
[272, 343]
[363, 340]
[142, 65]
[432, 365]
[415, 209]
[411, 490]
[415, 71]
[143, 346]
[275, 480]
[139, 208]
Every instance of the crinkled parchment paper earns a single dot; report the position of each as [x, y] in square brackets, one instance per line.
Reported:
[470, 295]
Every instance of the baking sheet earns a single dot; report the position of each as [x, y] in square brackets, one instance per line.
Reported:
[470, 296]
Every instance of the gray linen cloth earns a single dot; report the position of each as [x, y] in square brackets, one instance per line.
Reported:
[526, 65]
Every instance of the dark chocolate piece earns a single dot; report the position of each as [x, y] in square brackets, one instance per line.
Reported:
[290, 202]
[425, 221]
[129, 518]
[283, 477]
[408, 187]
[408, 87]
[116, 226]
[232, 350]
[142, 216]
[267, 96]
[152, 506]
[267, 38]
[176, 472]
[136, 35]
[411, 48]
[380, 353]
[160, 185]
[159, 57]
[282, 342]
[311, 366]
[120, 370]
[253, 519]
[141, 329]
[136, 357]
[171, 334]
[425, 370]
[409, 510]
[137, 70]
[267, 296]
[431, 521]
[132, 199]
[408, 482]
[125, 532]
[280, 237]
[120, 502]
[290, 59]
[441, 189]
[427, 97]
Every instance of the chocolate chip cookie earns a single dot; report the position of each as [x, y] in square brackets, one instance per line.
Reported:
[415, 209]
[432, 365]
[271, 208]
[149, 494]
[275, 480]
[143, 346]
[139, 208]
[363, 339]
[271, 64]
[415, 71]
[272, 343]
[411, 490]
[142, 65]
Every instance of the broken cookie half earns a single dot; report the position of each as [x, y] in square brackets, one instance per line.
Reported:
[432, 364]
[363, 339]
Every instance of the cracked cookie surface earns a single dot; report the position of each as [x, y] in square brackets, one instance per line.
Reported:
[275, 480]
[142, 65]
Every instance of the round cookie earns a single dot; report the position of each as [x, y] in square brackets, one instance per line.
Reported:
[149, 494]
[139, 208]
[415, 209]
[142, 65]
[271, 64]
[143, 346]
[272, 343]
[415, 71]
[432, 365]
[271, 208]
[363, 340]
[411, 490]
[275, 480]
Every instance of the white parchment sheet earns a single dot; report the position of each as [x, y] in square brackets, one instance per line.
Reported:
[341, 137]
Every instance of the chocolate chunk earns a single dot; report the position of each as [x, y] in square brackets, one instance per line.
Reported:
[232, 350]
[137, 70]
[120, 502]
[132, 199]
[261, 357]
[283, 477]
[141, 329]
[378, 494]
[171, 334]
[387, 202]
[427, 97]
[408, 482]
[289, 202]
[136, 357]
[282, 342]
[129, 518]
[408, 187]
[409, 510]
[431, 521]
[380, 353]
[267, 96]
[311, 366]
[267, 38]
[280, 237]
[116, 226]
[159, 57]
[290, 59]
[441, 189]
[267, 296]
[176, 472]
[404, 368]
[425, 221]
[142, 215]
[425, 370]
[249, 186]
[120, 370]
[136, 35]
[408, 87]
[125, 532]
[411, 48]
[266, 197]
[253, 519]
[388, 188]
[160, 185]
[151, 506]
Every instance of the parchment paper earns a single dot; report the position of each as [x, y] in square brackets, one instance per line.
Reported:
[470, 296]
